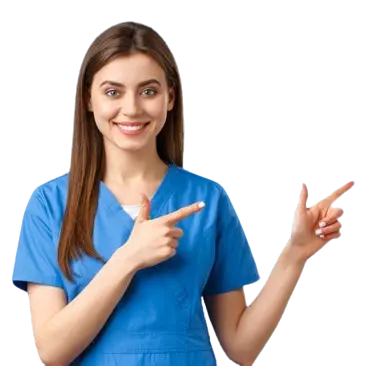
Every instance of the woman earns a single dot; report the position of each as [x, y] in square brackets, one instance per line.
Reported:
[113, 282]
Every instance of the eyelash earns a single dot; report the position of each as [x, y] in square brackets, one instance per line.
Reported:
[155, 92]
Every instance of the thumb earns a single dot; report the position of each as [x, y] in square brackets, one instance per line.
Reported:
[303, 197]
[144, 209]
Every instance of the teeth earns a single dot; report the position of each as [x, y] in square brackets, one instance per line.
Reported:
[130, 128]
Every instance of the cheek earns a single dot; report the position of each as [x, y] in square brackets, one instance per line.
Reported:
[158, 111]
[104, 111]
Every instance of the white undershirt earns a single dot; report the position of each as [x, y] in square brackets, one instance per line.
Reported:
[132, 210]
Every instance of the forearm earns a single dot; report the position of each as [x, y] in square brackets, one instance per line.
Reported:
[71, 330]
[260, 319]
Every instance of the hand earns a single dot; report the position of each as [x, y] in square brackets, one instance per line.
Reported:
[305, 241]
[154, 241]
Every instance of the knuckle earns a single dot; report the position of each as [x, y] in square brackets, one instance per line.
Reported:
[166, 241]
[174, 217]
[171, 251]
[166, 251]
[165, 230]
[177, 233]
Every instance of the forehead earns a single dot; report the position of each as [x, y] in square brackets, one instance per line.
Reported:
[130, 70]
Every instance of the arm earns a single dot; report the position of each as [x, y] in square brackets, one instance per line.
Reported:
[244, 331]
[259, 321]
[54, 322]
[245, 336]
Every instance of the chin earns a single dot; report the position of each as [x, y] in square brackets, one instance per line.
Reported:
[131, 146]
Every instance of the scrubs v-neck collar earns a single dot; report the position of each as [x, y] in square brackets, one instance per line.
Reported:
[109, 202]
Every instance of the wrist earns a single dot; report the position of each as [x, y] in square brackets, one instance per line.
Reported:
[292, 256]
[126, 259]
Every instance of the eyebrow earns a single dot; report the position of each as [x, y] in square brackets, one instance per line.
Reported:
[142, 83]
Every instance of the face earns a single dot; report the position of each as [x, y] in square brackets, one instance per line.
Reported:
[130, 100]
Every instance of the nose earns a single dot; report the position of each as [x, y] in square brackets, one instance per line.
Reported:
[130, 105]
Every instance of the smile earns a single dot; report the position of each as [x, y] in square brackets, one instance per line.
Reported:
[131, 128]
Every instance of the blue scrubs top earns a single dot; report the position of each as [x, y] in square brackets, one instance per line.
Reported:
[160, 319]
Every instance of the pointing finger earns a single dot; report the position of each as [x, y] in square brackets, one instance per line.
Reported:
[335, 195]
[180, 214]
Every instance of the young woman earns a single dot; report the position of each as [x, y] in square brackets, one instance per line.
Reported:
[114, 282]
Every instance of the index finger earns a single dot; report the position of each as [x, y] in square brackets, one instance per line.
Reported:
[183, 212]
[335, 195]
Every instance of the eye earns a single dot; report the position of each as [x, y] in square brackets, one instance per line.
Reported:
[151, 92]
[112, 90]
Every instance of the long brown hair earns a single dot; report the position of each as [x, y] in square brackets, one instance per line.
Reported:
[88, 156]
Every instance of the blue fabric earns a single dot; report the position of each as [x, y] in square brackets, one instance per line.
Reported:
[160, 319]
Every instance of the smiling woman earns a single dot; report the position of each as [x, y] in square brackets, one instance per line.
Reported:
[112, 285]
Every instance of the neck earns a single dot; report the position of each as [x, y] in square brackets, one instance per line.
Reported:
[124, 167]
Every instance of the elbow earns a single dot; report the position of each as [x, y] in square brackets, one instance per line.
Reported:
[240, 357]
[241, 361]
[48, 356]
[43, 354]
[48, 360]
[51, 360]
[246, 363]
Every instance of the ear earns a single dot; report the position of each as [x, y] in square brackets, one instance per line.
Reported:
[171, 100]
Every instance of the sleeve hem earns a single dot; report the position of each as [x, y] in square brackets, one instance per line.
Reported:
[21, 282]
[233, 287]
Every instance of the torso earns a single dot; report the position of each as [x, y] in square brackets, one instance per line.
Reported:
[160, 319]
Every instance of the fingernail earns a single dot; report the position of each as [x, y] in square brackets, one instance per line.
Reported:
[322, 236]
[318, 231]
[322, 224]
[201, 204]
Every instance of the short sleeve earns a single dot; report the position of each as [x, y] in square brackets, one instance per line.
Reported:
[36, 256]
[234, 265]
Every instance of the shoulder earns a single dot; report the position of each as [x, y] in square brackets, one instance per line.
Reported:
[57, 183]
[193, 180]
[209, 187]
[218, 201]
[49, 194]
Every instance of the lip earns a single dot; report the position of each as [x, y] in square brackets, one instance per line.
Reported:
[132, 132]
[131, 123]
